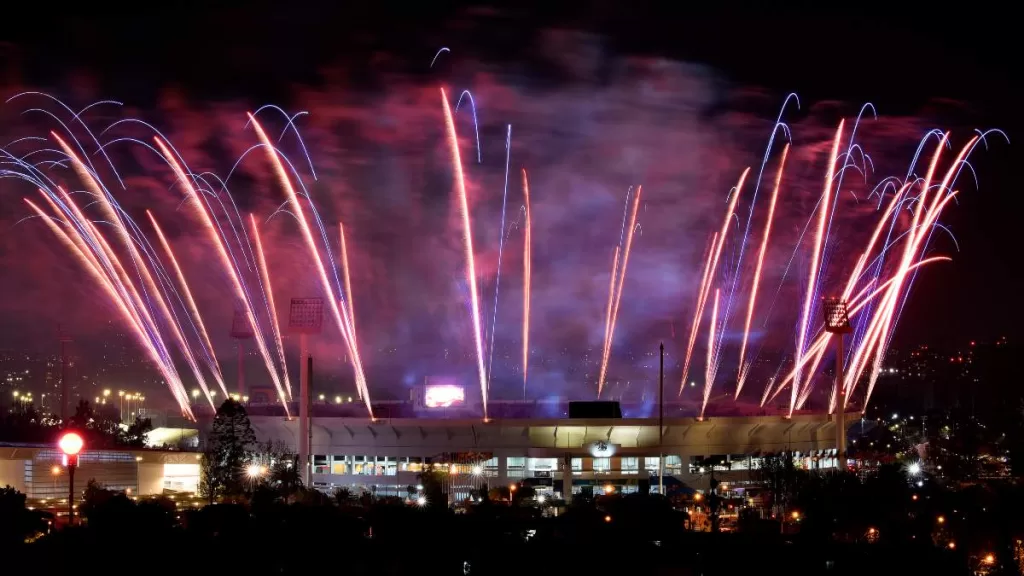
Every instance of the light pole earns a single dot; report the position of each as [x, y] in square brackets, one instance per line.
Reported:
[305, 318]
[71, 444]
[661, 421]
[837, 323]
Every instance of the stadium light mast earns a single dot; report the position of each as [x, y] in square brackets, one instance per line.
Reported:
[241, 330]
[837, 323]
[305, 318]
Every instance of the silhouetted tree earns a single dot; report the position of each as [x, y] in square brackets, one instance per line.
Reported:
[433, 480]
[135, 435]
[228, 449]
[14, 517]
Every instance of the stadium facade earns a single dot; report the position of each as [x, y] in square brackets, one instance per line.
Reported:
[385, 456]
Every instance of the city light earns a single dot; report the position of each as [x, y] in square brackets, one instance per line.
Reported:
[941, 519]
[477, 470]
[421, 501]
[254, 471]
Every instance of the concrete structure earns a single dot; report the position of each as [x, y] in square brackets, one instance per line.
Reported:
[385, 456]
[36, 470]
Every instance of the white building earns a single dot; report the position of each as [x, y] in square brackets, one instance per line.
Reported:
[37, 472]
[385, 456]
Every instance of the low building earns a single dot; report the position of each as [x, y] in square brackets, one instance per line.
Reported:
[36, 470]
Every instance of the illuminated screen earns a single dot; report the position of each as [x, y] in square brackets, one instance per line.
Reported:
[443, 396]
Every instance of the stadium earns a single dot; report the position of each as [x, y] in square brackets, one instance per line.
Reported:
[607, 446]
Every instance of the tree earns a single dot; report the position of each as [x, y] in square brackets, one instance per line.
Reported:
[229, 447]
[433, 479]
[14, 517]
[135, 435]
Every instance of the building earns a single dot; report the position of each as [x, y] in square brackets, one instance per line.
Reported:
[36, 470]
[385, 456]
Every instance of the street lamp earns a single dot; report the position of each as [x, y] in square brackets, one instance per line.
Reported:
[71, 444]
[837, 323]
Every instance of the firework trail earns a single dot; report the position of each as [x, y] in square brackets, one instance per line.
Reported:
[709, 275]
[619, 282]
[192, 308]
[527, 263]
[150, 291]
[439, 52]
[608, 311]
[83, 240]
[821, 342]
[476, 125]
[226, 262]
[779, 126]
[745, 368]
[348, 278]
[341, 315]
[268, 291]
[921, 224]
[819, 241]
[851, 284]
[709, 374]
[501, 247]
[348, 290]
[467, 233]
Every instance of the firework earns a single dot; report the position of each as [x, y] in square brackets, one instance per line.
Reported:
[501, 249]
[745, 368]
[467, 236]
[527, 260]
[819, 242]
[154, 299]
[709, 275]
[268, 289]
[618, 280]
[340, 313]
[226, 262]
[192, 308]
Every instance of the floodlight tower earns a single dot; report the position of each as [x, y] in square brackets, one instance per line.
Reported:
[241, 330]
[305, 318]
[837, 323]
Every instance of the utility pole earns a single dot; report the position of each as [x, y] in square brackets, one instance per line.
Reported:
[308, 472]
[661, 420]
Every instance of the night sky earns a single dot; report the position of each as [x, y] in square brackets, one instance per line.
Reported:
[599, 99]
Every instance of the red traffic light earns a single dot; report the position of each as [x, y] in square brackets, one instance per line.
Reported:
[70, 444]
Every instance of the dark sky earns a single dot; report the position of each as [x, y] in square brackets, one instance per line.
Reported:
[951, 68]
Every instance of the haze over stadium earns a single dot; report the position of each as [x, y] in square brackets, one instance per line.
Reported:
[636, 234]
